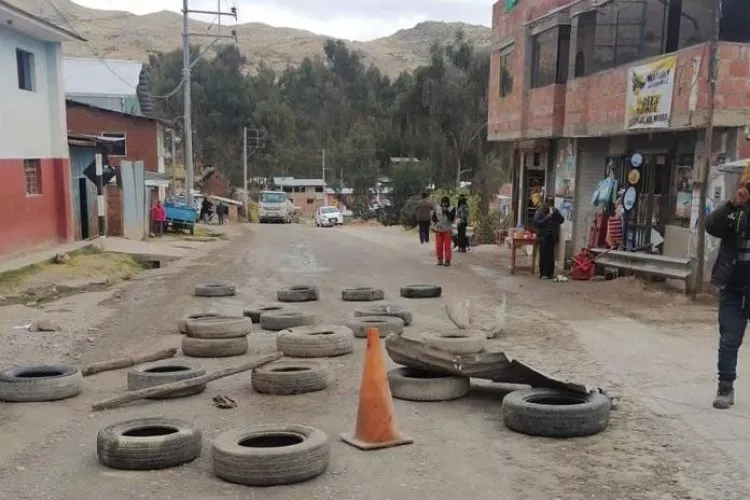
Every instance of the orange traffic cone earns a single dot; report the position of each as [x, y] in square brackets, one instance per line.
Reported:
[376, 421]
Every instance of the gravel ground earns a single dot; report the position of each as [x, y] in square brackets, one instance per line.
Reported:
[47, 451]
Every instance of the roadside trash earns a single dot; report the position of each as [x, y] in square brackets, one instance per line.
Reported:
[224, 402]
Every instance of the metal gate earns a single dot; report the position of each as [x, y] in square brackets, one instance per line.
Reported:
[133, 200]
[592, 161]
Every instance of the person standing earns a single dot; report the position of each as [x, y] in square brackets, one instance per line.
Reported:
[731, 273]
[158, 217]
[462, 215]
[443, 219]
[547, 221]
[221, 211]
[424, 211]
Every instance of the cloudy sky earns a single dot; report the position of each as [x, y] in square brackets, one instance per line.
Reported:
[350, 19]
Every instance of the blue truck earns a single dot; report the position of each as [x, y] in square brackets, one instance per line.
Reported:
[180, 216]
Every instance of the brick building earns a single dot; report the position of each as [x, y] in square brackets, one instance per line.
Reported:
[139, 138]
[306, 194]
[34, 161]
[586, 89]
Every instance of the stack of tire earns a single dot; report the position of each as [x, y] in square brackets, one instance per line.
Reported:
[215, 336]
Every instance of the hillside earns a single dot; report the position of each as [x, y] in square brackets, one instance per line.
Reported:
[121, 35]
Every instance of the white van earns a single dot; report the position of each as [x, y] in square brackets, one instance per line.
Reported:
[275, 207]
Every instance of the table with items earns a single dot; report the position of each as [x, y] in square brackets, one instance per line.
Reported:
[523, 239]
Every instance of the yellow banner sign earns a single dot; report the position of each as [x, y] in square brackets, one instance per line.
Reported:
[649, 96]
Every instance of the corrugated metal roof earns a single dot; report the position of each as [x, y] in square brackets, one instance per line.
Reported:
[292, 182]
[86, 76]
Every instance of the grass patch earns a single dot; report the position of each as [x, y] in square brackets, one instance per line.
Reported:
[88, 264]
[203, 231]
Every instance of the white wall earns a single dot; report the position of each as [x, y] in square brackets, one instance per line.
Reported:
[32, 123]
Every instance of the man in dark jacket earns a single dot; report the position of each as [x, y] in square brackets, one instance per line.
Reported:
[731, 273]
[424, 211]
[547, 221]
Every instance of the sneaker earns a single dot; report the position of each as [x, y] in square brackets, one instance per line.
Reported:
[724, 396]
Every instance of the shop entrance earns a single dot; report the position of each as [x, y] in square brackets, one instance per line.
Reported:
[652, 183]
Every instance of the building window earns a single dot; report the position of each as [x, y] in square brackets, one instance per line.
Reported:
[549, 57]
[32, 173]
[25, 67]
[506, 72]
[620, 32]
[318, 189]
[116, 148]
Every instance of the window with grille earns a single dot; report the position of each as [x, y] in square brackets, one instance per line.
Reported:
[32, 172]
[118, 147]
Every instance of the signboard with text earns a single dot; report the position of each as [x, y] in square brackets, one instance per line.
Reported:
[649, 94]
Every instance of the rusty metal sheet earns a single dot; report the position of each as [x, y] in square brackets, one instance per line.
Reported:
[495, 366]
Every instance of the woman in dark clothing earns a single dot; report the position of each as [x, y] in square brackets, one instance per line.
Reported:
[547, 221]
[462, 214]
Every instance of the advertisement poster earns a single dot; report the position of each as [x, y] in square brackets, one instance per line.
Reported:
[649, 94]
[565, 169]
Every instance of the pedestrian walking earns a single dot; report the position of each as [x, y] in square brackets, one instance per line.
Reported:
[206, 207]
[547, 221]
[731, 273]
[424, 212]
[158, 218]
[443, 219]
[221, 211]
[462, 216]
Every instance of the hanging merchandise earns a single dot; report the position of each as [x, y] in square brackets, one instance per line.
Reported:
[629, 199]
[605, 191]
[636, 161]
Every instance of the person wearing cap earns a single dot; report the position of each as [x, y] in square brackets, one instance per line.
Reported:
[731, 274]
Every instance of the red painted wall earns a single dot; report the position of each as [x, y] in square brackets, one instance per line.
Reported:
[34, 221]
[141, 133]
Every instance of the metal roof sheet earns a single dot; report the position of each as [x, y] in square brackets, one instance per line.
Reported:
[87, 76]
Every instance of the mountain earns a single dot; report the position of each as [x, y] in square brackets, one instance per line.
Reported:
[122, 35]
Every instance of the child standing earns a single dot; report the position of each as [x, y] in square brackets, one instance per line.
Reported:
[443, 219]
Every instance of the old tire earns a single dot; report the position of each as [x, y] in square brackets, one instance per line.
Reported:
[421, 291]
[283, 320]
[386, 310]
[27, 384]
[269, 455]
[556, 413]
[364, 294]
[457, 341]
[215, 289]
[299, 293]
[289, 377]
[385, 325]
[164, 372]
[254, 313]
[148, 444]
[417, 385]
[219, 327]
[214, 348]
[182, 324]
[321, 341]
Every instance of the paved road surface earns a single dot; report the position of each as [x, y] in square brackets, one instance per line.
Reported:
[663, 442]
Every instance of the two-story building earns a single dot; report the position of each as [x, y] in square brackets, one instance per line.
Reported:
[587, 90]
[35, 181]
[307, 194]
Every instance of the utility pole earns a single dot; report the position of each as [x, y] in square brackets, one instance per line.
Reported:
[186, 66]
[703, 179]
[323, 167]
[174, 159]
[244, 165]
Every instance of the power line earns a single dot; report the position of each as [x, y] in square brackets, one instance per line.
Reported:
[103, 61]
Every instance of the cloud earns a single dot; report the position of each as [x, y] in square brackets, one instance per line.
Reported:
[349, 19]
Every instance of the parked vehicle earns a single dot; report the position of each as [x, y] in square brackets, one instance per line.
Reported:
[180, 217]
[328, 217]
[275, 206]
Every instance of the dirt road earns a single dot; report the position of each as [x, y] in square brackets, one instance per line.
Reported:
[651, 451]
